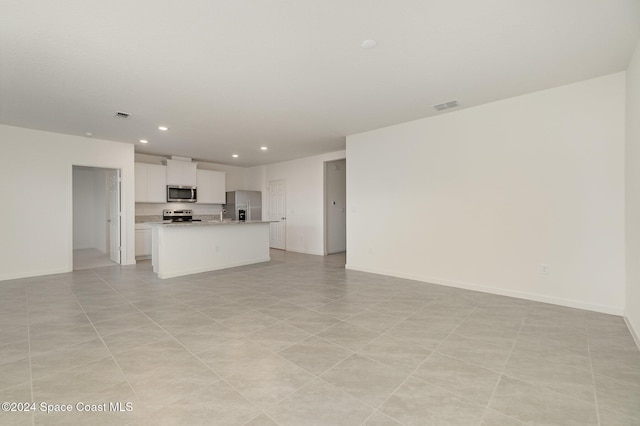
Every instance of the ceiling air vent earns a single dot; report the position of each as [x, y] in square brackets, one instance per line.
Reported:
[120, 114]
[446, 105]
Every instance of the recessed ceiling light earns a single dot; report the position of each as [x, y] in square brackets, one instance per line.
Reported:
[144, 141]
[163, 128]
[369, 44]
[235, 155]
[88, 134]
[264, 148]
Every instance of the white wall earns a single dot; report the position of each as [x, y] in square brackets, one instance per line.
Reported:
[257, 181]
[335, 180]
[305, 198]
[36, 171]
[632, 306]
[482, 197]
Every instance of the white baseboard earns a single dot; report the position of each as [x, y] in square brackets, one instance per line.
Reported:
[633, 331]
[33, 274]
[302, 251]
[612, 310]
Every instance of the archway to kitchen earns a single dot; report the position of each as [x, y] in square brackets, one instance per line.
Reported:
[96, 217]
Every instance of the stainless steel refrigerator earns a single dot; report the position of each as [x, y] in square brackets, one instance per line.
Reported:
[249, 201]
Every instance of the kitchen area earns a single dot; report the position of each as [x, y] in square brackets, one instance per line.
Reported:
[186, 221]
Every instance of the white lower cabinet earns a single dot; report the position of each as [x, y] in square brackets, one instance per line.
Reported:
[143, 241]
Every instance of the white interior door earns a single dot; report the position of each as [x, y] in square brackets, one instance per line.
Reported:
[278, 212]
[114, 216]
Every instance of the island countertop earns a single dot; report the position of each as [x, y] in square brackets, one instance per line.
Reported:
[209, 223]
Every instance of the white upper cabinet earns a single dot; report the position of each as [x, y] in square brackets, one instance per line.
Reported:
[181, 173]
[151, 183]
[211, 187]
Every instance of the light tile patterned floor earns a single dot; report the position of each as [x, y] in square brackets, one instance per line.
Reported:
[90, 259]
[301, 341]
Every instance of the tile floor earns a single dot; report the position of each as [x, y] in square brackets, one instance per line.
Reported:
[89, 259]
[301, 341]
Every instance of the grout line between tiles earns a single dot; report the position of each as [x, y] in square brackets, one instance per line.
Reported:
[495, 388]
[593, 374]
[488, 409]
[102, 340]
[410, 375]
[189, 351]
[26, 297]
[247, 336]
[351, 352]
[531, 383]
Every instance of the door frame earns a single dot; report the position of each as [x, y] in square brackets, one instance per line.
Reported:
[118, 214]
[284, 224]
[118, 170]
[325, 206]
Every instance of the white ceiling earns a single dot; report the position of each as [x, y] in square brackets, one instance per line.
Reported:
[230, 76]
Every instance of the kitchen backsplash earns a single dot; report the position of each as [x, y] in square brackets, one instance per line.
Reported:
[144, 209]
[158, 218]
[149, 218]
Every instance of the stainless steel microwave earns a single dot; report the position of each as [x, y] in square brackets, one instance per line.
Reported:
[182, 194]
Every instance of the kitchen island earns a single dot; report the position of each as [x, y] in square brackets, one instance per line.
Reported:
[184, 248]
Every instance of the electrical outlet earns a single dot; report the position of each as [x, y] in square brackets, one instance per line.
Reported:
[544, 269]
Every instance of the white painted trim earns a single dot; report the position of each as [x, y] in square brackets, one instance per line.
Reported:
[314, 252]
[33, 274]
[324, 208]
[208, 269]
[494, 290]
[634, 334]
[70, 217]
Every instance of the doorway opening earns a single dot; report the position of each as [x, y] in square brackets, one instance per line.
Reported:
[278, 214]
[335, 206]
[96, 217]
